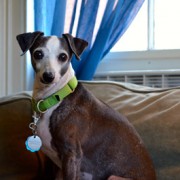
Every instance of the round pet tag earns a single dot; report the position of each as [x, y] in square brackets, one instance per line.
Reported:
[33, 143]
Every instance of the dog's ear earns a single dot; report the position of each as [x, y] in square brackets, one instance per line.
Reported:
[77, 45]
[26, 40]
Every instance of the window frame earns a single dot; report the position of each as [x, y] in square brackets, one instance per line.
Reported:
[149, 60]
[138, 61]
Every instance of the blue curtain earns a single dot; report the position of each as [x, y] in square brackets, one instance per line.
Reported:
[117, 16]
[50, 16]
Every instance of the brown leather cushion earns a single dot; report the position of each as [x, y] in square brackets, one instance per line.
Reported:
[15, 161]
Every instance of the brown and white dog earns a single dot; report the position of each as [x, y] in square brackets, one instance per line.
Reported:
[83, 136]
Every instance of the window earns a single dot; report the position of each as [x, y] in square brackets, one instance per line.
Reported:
[155, 27]
[137, 32]
[149, 49]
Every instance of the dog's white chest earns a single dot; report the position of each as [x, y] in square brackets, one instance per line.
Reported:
[45, 135]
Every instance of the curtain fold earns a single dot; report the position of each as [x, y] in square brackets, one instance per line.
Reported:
[50, 17]
[85, 28]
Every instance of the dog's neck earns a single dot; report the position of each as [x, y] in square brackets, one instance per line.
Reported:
[41, 91]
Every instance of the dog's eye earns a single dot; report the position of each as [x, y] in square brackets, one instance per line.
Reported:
[63, 57]
[38, 55]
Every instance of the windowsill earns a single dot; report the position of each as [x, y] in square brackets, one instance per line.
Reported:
[152, 60]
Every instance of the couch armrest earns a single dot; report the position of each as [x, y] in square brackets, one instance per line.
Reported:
[16, 162]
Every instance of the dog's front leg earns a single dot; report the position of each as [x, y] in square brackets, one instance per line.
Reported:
[71, 161]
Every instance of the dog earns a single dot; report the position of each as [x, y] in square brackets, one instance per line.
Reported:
[83, 136]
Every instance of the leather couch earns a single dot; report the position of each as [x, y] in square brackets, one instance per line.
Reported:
[155, 113]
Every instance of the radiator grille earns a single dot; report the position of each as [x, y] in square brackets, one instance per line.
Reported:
[152, 80]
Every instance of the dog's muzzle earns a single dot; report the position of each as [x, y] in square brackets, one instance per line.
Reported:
[47, 77]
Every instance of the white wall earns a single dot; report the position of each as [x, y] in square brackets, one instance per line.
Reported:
[12, 66]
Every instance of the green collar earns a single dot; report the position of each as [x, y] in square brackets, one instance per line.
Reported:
[44, 104]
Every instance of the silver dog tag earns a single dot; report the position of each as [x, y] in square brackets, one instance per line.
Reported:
[33, 143]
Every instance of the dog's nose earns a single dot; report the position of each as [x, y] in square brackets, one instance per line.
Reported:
[48, 77]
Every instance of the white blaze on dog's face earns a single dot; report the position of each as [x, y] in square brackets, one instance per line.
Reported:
[51, 59]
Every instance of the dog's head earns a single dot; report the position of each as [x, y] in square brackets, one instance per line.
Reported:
[50, 55]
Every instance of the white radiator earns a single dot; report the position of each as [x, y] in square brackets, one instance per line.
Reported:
[157, 79]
